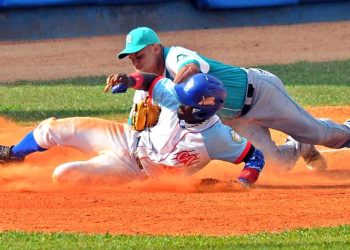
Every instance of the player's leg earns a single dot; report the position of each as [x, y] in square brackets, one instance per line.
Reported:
[18, 152]
[108, 168]
[347, 124]
[282, 157]
[274, 108]
[85, 134]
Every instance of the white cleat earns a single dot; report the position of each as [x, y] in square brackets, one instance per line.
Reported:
[347, 123]
[313, 159]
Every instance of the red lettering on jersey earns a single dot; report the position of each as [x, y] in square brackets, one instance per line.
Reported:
[187, 158]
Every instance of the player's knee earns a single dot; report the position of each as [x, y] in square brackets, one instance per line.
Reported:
[66, 173]
[58, 173]
[45, 125]
[43, 133]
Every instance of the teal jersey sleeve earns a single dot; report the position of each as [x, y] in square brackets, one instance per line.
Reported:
[223, 143]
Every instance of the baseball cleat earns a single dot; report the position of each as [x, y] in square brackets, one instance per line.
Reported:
[313, 159]
[347, 123]
[6, 155]
[244, 183]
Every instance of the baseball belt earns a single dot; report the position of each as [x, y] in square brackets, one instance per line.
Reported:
[249, 100]
[137, 158]
[138, 162]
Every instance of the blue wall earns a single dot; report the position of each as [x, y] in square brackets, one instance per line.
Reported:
[202, 4]
[86, 20]
[227, 4]
[41, 3]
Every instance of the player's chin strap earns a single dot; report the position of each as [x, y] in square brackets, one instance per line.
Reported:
[184, 124]
[185, 114]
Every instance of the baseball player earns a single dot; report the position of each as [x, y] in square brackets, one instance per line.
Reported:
[188, 135]
[256, 101]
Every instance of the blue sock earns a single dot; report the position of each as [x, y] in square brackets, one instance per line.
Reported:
[27, 146]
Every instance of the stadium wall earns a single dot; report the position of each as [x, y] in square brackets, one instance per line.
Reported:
[106, 17]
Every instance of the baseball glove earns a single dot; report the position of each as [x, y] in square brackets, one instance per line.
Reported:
[143, 115]
[109, 83]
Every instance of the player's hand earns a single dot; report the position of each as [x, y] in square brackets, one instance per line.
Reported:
[119, 83]
[124, 81]
[119, 88]
[215, 185]
[245, 183]
[110, 82]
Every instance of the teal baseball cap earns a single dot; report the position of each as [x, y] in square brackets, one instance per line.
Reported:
[137, 39]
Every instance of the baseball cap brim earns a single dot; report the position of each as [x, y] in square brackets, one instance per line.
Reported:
[130, 50]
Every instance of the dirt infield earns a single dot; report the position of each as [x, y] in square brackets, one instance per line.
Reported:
[29, 201]
[250, 46]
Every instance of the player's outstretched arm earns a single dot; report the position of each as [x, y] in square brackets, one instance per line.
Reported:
[121, 82]
[186, 72]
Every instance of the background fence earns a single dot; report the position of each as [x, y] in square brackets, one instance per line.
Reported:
[46, 19]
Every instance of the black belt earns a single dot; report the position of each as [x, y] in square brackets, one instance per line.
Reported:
[248, 101]
[138, 161]
[137, 158]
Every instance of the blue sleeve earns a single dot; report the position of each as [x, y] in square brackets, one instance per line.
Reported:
[223, 143]
[164, 94]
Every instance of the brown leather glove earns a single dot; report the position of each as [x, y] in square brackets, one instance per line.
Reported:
[120, 78]
[143, 115]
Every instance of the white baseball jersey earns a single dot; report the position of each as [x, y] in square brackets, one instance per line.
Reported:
[186, 148]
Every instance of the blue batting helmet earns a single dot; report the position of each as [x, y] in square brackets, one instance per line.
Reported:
[204, 93]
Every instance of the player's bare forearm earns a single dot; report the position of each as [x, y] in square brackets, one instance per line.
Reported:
[186, 71]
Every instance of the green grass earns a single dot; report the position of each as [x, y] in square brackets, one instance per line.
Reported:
[310, 84]
[35, 101]
[31, 101]
[320, 95]
[319, 238]
[334, 73]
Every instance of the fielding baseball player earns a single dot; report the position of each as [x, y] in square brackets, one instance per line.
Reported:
[188, 135]
[256, 101]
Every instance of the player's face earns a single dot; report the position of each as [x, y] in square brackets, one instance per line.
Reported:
[146, 59]
[186, 113]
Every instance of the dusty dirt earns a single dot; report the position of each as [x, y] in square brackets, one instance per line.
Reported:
[29, 200]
